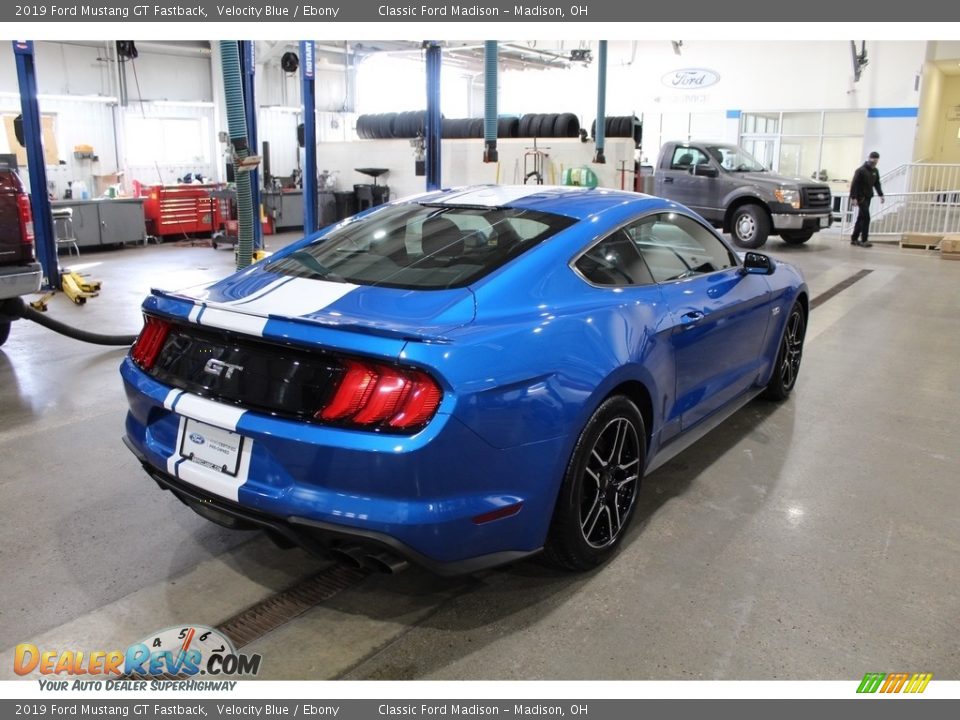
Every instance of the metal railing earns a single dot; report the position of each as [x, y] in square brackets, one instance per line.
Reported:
[922, 177]
[935, 212]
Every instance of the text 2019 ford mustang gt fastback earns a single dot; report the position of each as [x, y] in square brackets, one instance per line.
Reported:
[460, 379]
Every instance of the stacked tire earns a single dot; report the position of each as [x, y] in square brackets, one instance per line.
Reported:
[549, 125]
[388, 126]
[621, 126]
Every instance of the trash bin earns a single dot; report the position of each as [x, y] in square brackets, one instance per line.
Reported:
[346, 204]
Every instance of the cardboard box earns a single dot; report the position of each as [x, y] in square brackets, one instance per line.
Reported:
[921, 240]
[950, 247]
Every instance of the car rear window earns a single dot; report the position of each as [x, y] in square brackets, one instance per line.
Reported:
[422, 246]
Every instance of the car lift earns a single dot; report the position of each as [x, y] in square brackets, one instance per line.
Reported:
[44, 239]
[309, 98]
[73, 284]
[432, 139]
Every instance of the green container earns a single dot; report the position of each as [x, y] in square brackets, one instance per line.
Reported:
[579, 177]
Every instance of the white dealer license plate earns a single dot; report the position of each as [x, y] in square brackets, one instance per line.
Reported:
[824, 222]
[211, 447]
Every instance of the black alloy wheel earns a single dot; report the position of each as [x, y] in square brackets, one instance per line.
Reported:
[789, 356]
[599, 492]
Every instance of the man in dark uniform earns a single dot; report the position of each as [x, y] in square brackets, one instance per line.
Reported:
[865, 179]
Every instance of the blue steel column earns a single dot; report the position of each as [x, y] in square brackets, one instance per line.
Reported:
[309, 137]
[248, 67]
[490, 101]
[601, 134]
[43, 236]
[433, 124]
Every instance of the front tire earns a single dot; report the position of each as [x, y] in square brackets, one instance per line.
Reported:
[796, 237]
[750, 226]
[4, 331]
[788, 357]
[600, 487]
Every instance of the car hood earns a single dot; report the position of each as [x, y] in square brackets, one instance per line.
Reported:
[361, 308]
[770, 178]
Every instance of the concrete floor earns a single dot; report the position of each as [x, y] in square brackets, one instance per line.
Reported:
[817, 539]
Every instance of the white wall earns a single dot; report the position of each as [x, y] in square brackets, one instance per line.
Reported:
[462, 162]
[753, 76]
[72, 73]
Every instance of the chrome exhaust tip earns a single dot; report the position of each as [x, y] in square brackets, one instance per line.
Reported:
[385, 562]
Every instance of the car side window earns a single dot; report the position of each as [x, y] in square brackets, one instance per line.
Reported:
[685, 158]
[614, 262]
[675, 247]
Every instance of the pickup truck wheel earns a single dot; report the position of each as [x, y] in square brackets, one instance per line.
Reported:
[796, 237]
[750, 226]
[4, 331]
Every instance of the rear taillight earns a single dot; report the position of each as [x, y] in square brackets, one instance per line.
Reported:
[26, 221]
[373, 395]
[148, 345]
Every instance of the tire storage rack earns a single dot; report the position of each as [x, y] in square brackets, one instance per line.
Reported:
[408, 125]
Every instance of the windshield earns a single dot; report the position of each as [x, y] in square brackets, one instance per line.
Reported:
[734, 159]
[422, 246]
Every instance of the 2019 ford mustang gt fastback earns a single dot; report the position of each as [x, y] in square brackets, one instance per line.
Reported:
[459, 379]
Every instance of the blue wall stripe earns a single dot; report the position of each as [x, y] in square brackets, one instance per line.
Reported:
[733, 114]
[894, 112]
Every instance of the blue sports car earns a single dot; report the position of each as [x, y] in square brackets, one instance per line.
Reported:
[459, 379]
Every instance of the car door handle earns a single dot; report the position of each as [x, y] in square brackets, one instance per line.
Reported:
[694, 316]
[668, 179]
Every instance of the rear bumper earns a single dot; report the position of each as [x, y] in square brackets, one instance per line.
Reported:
[316, 537]
[802, 221]
[424, 497]
[20, 280]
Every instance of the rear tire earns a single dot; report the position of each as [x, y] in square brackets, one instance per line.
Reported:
[750, 226]
[788, 356]
[600, 487]
[4, 331]
[796, 237]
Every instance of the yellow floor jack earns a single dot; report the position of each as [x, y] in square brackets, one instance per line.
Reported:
[75, 286]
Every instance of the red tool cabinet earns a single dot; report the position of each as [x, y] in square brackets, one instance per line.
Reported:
[172, 210]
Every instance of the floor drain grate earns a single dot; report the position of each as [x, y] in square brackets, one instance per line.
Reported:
[279, 609]
[838, 288]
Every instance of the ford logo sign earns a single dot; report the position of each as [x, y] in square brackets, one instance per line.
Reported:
[197, 438]
[690, 78]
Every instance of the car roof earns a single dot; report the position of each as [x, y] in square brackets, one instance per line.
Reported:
[571, 201]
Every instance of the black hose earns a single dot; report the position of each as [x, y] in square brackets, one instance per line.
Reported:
[16, 307]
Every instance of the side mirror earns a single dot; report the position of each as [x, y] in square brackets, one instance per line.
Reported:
[705, 171]
[755, 263]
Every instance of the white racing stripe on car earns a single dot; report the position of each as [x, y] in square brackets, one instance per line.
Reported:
[171, 398]
[217, 482]
[175, 459]
[300, 296]
[208, 411]
[265, 290]
[291, 297]
[218, 415]
[231, 320]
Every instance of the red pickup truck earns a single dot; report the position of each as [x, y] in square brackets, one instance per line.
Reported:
[20, 273]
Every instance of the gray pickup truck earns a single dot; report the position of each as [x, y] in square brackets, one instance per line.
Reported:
[734, 192]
